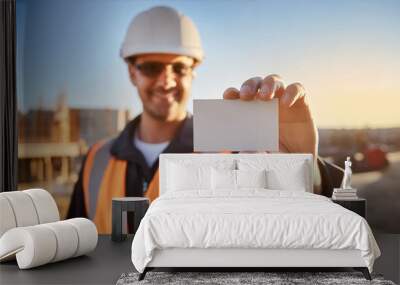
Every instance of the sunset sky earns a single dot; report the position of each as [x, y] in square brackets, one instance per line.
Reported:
[346, 53]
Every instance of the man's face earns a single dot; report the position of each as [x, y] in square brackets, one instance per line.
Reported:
[163, 82]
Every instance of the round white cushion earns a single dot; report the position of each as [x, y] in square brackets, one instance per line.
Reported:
[41, 244]
[33, 246]
[7, 218]
[87, 234]
[66, 238]
[46, 207]
[26, 208]
[23, 208]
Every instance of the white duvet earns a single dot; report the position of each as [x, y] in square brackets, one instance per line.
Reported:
[253, 218]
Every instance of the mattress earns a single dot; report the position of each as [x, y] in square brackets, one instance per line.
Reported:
[251, 219]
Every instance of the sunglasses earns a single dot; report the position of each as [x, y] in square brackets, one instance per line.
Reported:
[153, 69]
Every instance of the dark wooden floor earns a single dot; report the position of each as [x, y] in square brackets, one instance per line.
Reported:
[110, 260]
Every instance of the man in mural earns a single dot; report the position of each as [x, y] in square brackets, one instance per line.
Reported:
[161, 49]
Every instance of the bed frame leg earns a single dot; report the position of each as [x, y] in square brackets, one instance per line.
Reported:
[143, 274]
[364, 271]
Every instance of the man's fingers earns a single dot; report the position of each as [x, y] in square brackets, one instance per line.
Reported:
[231, 93]
[268, 88]
[294, 93]
[249, 88]
[271, 87]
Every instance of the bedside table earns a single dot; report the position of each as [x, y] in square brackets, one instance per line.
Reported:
[358, 206]
[137, 205]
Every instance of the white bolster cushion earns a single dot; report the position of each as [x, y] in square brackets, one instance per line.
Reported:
[26, 208]
[33, 246]
[66, 239]
[46, 207]
[23, 208]
[87, 233]
[40, 244]
[7, 219]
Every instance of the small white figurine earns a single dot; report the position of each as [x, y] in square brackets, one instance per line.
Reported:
[346, 182]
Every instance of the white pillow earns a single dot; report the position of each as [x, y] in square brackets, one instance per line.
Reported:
[223, 179]
[188, 177]
[251, 178]
[281, 174]
[236, 179]
[186, 174]
[294, 180]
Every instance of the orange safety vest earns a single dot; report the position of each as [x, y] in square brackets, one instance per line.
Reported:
[103, 179]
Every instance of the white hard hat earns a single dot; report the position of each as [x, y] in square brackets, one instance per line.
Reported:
[162, 30]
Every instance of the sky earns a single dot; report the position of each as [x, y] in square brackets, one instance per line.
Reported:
[344, 52]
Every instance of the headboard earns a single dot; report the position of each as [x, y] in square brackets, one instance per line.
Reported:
[286, 159]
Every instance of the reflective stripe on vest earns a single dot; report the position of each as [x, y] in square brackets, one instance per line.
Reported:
[104, 178]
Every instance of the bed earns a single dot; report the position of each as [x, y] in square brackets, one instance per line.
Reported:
[247, 210]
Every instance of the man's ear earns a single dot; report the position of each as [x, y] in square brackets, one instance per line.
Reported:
[132, 75]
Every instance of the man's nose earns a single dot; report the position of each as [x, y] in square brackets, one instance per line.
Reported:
[168, 78]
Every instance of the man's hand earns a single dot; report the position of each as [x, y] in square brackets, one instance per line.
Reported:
[297, 131]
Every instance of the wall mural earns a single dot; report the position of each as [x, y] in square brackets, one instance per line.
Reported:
[74, 89]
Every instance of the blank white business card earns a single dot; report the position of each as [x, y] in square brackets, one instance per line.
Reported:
[235, 125]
